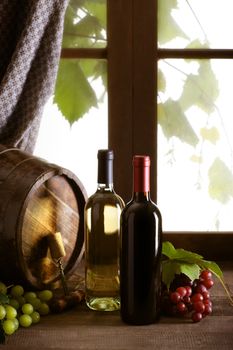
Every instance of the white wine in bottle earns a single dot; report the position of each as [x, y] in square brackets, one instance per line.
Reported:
[102, 235]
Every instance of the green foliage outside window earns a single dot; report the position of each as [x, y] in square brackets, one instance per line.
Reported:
[85, 27]
[200, 90]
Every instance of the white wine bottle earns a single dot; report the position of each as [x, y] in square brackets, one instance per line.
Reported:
[102, 236]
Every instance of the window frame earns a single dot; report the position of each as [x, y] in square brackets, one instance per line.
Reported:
[132, 54]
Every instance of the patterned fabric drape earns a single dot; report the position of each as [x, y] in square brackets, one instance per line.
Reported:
[30, 43]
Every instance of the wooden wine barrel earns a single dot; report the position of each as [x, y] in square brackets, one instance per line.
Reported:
[38, 199]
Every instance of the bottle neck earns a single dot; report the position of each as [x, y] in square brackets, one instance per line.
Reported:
[105, 187]
[105, 173]
[141, 196]
[141, 178]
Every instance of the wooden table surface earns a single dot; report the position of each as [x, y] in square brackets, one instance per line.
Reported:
[81, 328]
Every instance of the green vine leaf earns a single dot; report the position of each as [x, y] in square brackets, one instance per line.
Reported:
[182, 254]
[100, 70]
[179, 261]
[210, 134]
[190, 270]
[197, 44]
[196, 159]
[220, 181]
[170, 115]
[169, 270]
[73, 93]
[213, 267]
[200, 90]
[76, 3]
[89, 25]
[168, 249]
[86, 31]
[98, 10]
[183, 261]
[161, 81]
[168, 29]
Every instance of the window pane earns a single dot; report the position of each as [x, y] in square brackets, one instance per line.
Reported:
[195, 144]
[195, 23]
[72, 142]
[85, 24]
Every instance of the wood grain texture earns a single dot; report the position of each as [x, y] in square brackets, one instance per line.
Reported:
[195, 53]
[132, 71]
[84, 329]
[37, 198]
[78, 53]
[212, 245]
[120, 111]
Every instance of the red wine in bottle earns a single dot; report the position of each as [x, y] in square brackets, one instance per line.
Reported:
[102, 240]
[140, 251]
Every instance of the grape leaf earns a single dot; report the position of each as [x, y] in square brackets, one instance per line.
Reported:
[98, 10]
[87, 26]
[210, 134]
[169, 270]
[200, 90]
[186, 262]
[88, 67]
[73, 93]
[190, 270]
[76, 4]
[168, 249]
[168, 29]
[208, 78]
[81, 32]
[196, 44]
[182, 254]
[161, 81]
[196, 159]
[85, 33]
[100, 70]
[213, 267]
[69, 39]
[220, 181]
[173, 122]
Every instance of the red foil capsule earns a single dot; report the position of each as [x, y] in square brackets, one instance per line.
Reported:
[141, 166]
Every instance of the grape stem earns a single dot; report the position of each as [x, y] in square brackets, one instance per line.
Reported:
[10, 286]
[227, 290]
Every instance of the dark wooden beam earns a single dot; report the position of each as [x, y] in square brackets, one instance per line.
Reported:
[84, 53]
[195, 53]
[212, 245]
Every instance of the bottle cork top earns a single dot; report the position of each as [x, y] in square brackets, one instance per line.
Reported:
[141, 160]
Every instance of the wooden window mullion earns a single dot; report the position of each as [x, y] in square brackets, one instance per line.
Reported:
[144, 84]
[132, 86]
[120, 103]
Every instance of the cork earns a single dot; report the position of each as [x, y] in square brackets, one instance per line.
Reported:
[56, 246]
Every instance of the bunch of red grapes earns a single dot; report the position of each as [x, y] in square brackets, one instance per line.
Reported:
[186, 297]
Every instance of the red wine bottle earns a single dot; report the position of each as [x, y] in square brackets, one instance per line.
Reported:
[140, 251]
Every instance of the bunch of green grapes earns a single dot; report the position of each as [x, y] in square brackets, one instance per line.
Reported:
[21, 308]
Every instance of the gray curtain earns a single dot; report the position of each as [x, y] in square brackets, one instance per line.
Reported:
[30, 44]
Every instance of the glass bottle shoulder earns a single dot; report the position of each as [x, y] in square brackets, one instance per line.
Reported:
[146, 206]
[105, 197]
